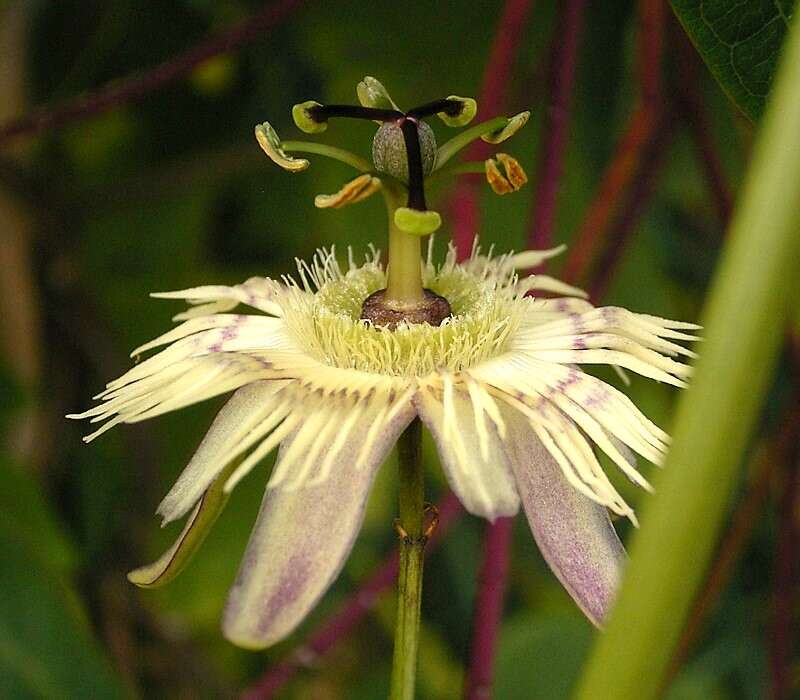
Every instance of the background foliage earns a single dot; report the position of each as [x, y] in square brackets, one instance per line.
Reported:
[171, 191]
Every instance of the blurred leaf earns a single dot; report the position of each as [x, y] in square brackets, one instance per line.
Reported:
[26, 512]
[696, 686]
[740, 42]
[46, 649]
[540, 656]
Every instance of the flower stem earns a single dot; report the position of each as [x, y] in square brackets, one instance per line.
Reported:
[323, 149]
[466, 137]
[412, 548]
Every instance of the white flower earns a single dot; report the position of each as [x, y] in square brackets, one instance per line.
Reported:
[498, 385]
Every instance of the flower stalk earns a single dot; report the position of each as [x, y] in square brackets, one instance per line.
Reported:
[410, 526]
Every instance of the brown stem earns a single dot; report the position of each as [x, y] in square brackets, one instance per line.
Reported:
[21, 332]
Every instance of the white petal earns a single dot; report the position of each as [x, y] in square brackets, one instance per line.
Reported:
[574, 533]
[528, 259]
[248, 406]
[472, 454]
[258, 292]
[303, 536]
[545, 283]
[201, 329]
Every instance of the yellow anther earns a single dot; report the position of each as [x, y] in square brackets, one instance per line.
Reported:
[354, 191]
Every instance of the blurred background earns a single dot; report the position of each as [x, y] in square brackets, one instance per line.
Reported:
[156, 183]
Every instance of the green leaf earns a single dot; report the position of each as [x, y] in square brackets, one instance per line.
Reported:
[740, 42]
[46, 649]
[25, 510]
[540, 655]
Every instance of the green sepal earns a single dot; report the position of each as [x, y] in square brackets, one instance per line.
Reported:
[513, 125]
[303, 119]
[416, 222]
[469, 108]
[198, 525]
[270, 143]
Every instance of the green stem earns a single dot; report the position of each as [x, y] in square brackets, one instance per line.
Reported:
[746, 313]
[404, 275]
[404, 270]
[322, 149]
[455, 144]
[469, 168]
[412, 547]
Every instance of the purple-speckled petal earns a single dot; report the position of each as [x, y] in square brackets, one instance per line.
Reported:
[574, 534]
[302, 538]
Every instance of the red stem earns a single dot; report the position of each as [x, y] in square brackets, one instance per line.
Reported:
[488, 608]
[642, 189]
[342, 621]
[785, 580]
[119, 92]
[493, 572]
[626, 162]
[556, 124]
[693, 111]
[491, 101]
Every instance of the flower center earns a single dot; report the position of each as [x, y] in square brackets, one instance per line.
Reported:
[328, 325]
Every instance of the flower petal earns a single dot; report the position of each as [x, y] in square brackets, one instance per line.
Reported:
[258, 292]
[197, 527]
[472, 454]
[574, 534]
[246, 408]
[303, 535]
